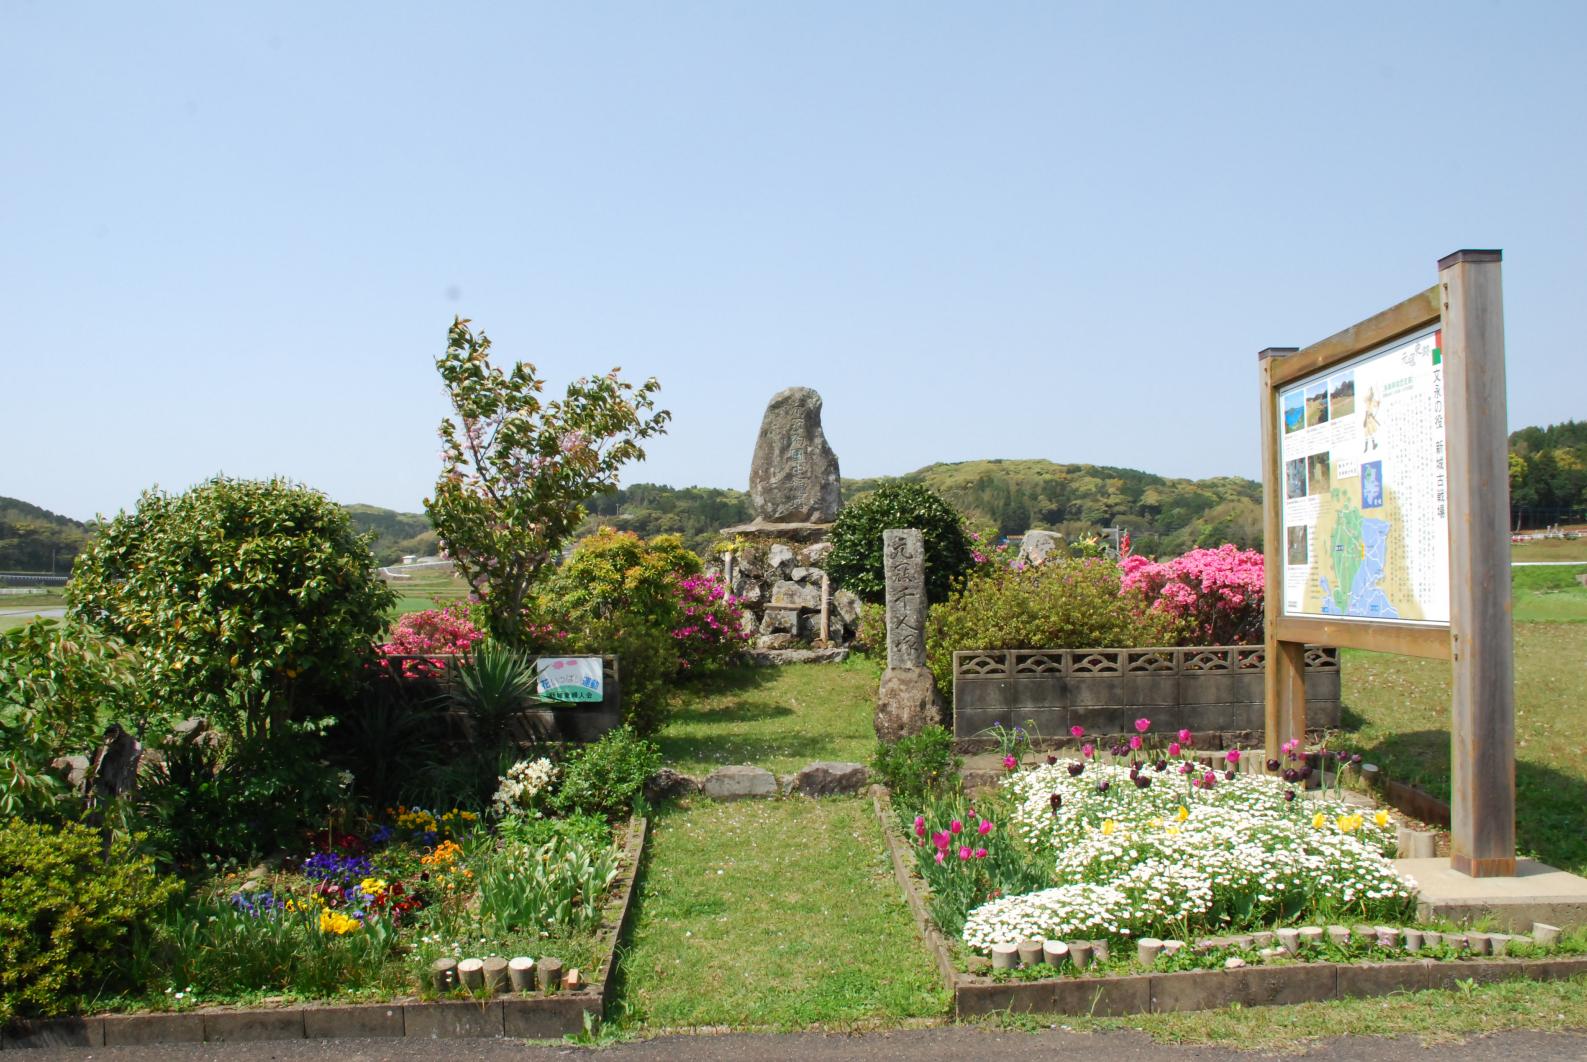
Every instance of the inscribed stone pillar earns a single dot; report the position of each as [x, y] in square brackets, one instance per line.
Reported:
[906, 703]
[904, 564]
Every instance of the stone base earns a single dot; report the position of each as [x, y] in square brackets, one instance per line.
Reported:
[778, 657]
[780, 532]
[906, 703]
[1537, 893]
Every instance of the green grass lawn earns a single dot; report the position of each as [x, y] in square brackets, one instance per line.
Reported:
[49, 598]
[1550, 549]
[1397, 710]
[779, 718]
[1548, 595]
[773, 914]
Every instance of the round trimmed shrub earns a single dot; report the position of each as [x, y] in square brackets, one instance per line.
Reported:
[855, 562]
[248, 601]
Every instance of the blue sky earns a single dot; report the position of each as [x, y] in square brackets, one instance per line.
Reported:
[233, 239]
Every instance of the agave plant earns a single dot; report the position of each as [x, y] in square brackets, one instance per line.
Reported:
[494, 684]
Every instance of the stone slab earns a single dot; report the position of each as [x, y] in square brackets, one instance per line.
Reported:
[1537, 893]
[1365, 980]
[549, 1017]
[236, 1026]
[738, 782]
[453, 1020]
[54, 1032]
[1103, 997]
[132, 1030]
[780, 657]
[372, 1021]
[829, 778]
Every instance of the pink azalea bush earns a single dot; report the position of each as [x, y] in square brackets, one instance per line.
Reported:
[709, 632]
[1216, 594]
[429, 634]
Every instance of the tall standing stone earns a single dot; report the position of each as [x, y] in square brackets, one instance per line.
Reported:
[907, 700]
[793, 478]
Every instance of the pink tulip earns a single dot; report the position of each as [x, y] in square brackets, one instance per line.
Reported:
[980, 853]
[956, 827]
[1087, 751]
[1009, 763]
[920, 825]
[985, 827]
[1233, 755]
[1142, 725]
[964, 852]
[1174, 748]
[1135, 741]
[941, 840]
[1078, 731]
[1184, 736]
[939, 856]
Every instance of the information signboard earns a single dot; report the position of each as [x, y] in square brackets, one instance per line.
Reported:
[1365, 501]
[570, 678]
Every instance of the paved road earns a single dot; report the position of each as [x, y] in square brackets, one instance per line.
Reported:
[1548, 564]
[925, 1045]
[49, 613]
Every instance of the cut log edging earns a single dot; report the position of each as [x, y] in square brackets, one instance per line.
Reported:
[528, 1017]
[1119, 995]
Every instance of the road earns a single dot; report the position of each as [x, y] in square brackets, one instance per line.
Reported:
[917, 1045]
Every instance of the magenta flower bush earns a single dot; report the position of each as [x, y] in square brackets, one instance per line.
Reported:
[710, 633]
[1216, 594]
[431, 634]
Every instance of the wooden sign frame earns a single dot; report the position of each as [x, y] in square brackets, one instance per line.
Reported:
[1467, 304]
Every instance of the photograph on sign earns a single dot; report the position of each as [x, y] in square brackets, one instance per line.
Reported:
[1365, 514]
[570, 678]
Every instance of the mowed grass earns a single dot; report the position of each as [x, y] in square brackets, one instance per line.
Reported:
[779, 914]
[16, 610]
[779, 718]
[1398, 711]
[1550, 549]
[1548, 595]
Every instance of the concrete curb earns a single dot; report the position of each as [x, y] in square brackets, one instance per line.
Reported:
[529, 1017]
[1154, 993]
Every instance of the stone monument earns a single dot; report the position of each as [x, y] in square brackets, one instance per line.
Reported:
[907, 701]
[793, 478]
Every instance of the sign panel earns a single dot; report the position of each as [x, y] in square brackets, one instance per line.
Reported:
[1365, 506]
[570, 678]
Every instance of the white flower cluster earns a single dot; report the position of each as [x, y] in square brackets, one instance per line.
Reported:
[521, 785]
[1175, 857]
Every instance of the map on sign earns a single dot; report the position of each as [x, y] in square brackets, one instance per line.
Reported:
[1366, 518]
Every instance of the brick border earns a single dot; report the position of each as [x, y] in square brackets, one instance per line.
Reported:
[1212, 989]
[529, 1017]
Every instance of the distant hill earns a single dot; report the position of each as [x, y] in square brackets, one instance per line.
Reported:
[396, 533]
[37, 540]
[1164, 516]
[696, 513]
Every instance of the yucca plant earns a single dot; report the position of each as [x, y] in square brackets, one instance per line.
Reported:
[491, 686]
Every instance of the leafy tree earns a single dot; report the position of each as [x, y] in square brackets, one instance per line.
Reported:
[516, 468]
[856, 558]
[247, 601]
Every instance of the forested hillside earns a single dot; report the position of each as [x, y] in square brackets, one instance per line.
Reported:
[37, 540]
[1548, 475]
[396, 533]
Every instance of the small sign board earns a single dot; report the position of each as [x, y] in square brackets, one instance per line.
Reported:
[570, 678]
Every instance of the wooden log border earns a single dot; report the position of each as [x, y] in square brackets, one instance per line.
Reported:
[1213, 989]
[527, 1017]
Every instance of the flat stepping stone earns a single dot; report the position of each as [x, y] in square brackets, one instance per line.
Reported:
[737, 783]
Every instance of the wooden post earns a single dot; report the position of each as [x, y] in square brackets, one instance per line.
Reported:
[1481, 641]
[1284, 677]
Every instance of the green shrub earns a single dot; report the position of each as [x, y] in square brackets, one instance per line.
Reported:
[605, 777]
[916, 767]
[855, 562]
[250, 602]
[1063, 604]
[618, 594]
[60, 686]
[65, 915]
[533, 832]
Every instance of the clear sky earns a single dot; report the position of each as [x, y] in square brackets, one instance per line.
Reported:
[232, 239]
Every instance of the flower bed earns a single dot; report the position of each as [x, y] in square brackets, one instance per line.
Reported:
[1139, 841]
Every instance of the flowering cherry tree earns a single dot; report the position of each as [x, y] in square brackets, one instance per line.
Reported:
[1218, 593]
[516, 468]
